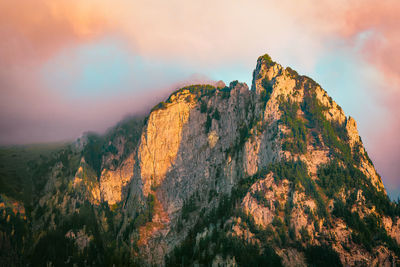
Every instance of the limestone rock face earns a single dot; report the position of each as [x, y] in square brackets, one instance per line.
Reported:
[291, 257]
[161, 140]
[114, 183]
[199, 144]
[392, 226]
[183, 151]
[351, 127]
[262, 199]
[278, 171]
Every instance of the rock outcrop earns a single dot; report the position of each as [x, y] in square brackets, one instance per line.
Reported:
[223, 176]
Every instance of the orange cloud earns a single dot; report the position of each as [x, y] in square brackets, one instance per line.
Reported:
[33, 30]
[200, 34]
[201, 30]
[382, 48]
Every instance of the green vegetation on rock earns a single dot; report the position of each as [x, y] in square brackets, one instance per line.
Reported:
[296, 140]
[15, 161]
[267, 60]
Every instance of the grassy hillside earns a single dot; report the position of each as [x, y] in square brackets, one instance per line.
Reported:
[15, 179]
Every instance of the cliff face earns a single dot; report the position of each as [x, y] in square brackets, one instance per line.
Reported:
[273, 175]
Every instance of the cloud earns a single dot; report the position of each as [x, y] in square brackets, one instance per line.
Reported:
[46, 91]
[35, 30]
[381, 49]
[204, 32]
[43, 75]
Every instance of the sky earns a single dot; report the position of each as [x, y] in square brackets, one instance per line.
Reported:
[69, 66]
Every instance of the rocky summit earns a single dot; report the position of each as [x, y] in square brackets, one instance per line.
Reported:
[272, 175]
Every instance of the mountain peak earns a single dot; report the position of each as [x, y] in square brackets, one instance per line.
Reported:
[276, 174]
[266, 59]
[267, 69]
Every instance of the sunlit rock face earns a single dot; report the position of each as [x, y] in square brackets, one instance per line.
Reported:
[188, 152]
[114, 182]
[276, 172]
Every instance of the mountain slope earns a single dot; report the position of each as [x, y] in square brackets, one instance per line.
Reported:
[275, 175]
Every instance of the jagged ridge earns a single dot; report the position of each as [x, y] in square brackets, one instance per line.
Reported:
[273, 175]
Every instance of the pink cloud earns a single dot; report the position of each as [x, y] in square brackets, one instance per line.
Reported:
[201, 34]
[382, 51]
[34, 32]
